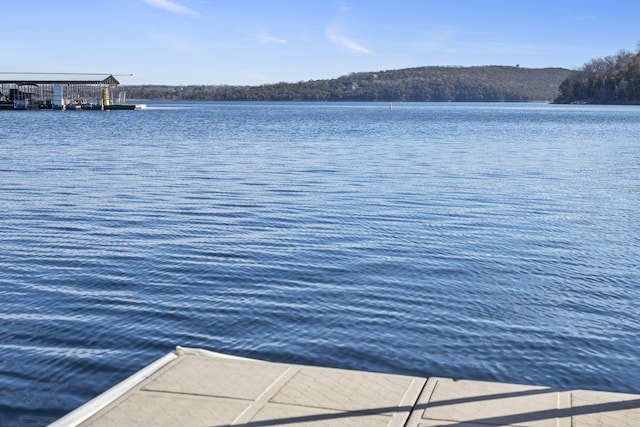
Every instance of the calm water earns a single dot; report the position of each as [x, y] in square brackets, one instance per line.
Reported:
[482, 241]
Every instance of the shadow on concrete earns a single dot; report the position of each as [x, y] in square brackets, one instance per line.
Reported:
[516, 418]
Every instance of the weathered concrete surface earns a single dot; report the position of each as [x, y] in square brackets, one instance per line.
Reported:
[446, 402]
[200, 388]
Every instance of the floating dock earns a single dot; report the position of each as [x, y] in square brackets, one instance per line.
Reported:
[61, 91]
[194, 387]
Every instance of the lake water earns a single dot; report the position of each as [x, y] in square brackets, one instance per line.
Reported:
[492, 242]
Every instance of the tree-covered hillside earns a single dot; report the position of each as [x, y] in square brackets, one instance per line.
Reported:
[444, 84]
[611, 80]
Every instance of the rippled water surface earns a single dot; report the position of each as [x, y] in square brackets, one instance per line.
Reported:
[483, 241]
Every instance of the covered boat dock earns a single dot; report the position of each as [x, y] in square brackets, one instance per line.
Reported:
[61, 91]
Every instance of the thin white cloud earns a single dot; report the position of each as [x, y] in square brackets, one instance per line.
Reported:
[268, 39]
[333, 34]
[171, 6]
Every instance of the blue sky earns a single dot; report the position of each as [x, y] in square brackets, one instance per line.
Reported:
[265, 41]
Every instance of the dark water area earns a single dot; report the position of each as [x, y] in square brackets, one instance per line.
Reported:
[494, 242]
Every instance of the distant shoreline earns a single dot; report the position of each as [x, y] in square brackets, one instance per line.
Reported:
[422, 84]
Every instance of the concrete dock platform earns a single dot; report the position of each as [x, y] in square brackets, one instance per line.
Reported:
[193, 387]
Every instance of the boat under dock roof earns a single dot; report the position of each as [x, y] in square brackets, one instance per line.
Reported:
[62, 91]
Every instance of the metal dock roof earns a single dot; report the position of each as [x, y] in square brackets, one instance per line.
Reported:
[57, 78]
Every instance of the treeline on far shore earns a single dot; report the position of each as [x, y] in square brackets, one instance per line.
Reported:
[613, 79]
[437, 84]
